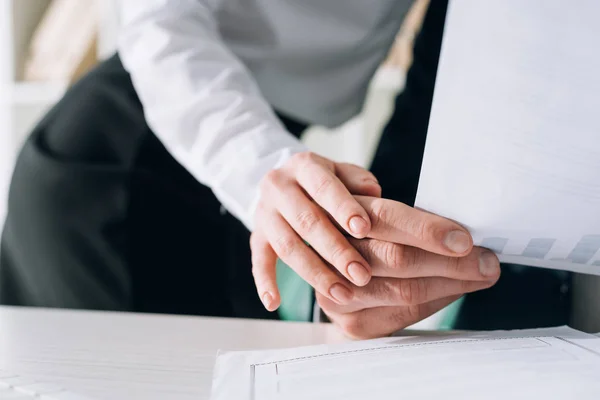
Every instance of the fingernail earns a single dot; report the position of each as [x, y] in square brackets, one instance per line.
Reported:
[359, 274]
[372, 181]
[457, 241]
[267, 300]
[488, 264]
[358, 225]
[340, 293]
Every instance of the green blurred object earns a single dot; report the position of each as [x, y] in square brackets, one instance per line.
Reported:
[296, 295]
[297, 299]
[450, 314]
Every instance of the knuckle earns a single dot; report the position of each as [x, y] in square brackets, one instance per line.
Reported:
[308, 221]
[395, 256]
[352, 325]
[345, 208]
[341, 254]
[411, 314]
[379, 213]
[370, 249]
[284, 246]
[411, 291]
[384, 289]
[454, 266]
[415, 258]
[424, 229]
[402, 317]
[322, 185]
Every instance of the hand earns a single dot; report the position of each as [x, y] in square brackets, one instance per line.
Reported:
[303, 202]
[409, 282]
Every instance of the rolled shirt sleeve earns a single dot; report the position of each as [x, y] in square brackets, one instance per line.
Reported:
[201, 101]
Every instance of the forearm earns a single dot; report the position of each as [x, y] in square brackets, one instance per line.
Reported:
[200, 100]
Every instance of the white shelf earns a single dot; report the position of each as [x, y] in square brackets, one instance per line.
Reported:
[389, 78]
[26, 14]
[37, 93]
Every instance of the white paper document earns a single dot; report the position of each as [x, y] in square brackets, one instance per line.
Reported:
[555, 363]
[513, 145]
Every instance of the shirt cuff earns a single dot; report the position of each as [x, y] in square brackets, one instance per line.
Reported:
[238, 185]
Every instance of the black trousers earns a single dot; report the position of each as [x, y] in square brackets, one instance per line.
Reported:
[102, 217]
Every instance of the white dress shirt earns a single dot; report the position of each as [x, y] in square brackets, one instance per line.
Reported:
[210, 72]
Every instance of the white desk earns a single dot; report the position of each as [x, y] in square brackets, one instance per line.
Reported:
[132, 356]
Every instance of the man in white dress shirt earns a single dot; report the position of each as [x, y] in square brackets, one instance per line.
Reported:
[139, 190]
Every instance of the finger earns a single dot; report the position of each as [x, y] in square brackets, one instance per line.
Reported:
[316, 176]
[303, 260]
[394, 260]
[393, 221]
[408, 292]
[264, 266]
[358, 180]
[385, 321]
[313, 225]
[390, 292]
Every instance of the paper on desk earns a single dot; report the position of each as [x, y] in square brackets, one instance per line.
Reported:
[513, 146]
[544, 364]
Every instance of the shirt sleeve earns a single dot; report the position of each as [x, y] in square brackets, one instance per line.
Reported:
[201, 101]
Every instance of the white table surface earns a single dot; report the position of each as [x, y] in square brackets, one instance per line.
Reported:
[134, 356]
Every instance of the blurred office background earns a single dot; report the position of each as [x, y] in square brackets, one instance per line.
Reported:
[46, 45]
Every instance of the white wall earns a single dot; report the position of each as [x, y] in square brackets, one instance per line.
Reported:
[6, 150]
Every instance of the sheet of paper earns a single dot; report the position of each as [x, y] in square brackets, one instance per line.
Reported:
[541, 364]
[513, 146]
